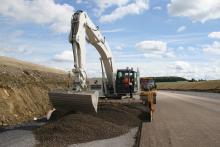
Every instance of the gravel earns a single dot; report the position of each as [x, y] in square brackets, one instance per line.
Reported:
[110, 121]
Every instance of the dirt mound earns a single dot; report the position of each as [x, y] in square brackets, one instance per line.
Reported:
[110, 121]
[24, 90]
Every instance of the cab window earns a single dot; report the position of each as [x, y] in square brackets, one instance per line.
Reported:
[119, 74]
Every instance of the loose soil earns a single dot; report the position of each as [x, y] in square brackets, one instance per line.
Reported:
[111, 120]
[24, 90]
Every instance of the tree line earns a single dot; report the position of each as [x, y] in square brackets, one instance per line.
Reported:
[169, 79]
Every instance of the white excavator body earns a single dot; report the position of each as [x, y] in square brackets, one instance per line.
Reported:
[81, 96]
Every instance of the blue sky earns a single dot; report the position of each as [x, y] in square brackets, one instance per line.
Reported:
[160, 37]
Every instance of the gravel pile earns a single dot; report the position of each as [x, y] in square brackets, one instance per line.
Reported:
[110, 121]
[127, 115]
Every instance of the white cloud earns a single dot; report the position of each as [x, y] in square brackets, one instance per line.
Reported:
[182, 66]
[157, 8]
[113, 30]
[188, 49]
[108, 3]
[152, 47]
[65, 56]
[196, 10]
[180, 48]
[155, 49]
[181, 29]
[170, 54]
[46, 12]
[120, 46]
[215, 35]
[7, 48]
[183, 69]
[132, 8]
[202, 70]
[102, 5]
[213, 48]
[123, 8]
[12, 48]
[192, 49]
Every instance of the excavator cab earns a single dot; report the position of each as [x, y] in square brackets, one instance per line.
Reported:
[123, 78]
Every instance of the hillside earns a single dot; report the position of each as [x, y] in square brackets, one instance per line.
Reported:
[24, 87]
[12, 62]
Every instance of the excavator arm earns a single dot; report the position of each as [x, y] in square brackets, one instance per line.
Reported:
[79, 98]
[83, 31]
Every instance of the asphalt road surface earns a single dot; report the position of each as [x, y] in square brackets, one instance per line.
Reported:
[184, 119]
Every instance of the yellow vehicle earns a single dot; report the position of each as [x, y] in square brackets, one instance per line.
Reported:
[148, 95]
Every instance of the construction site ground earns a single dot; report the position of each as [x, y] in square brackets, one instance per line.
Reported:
[181, 119]
[112, 121]
[24, 91]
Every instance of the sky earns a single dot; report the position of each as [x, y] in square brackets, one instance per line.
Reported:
[160, 37]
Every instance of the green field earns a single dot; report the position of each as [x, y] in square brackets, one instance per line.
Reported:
[210, 86]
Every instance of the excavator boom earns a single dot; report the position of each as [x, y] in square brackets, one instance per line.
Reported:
[82, 30]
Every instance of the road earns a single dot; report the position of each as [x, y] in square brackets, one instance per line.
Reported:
[184, 119]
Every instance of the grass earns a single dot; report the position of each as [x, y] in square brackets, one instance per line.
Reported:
[210, 86]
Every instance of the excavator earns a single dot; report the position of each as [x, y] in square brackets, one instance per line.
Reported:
[84, 94]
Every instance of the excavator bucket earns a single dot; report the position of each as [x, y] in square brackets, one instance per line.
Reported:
[68, 101]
